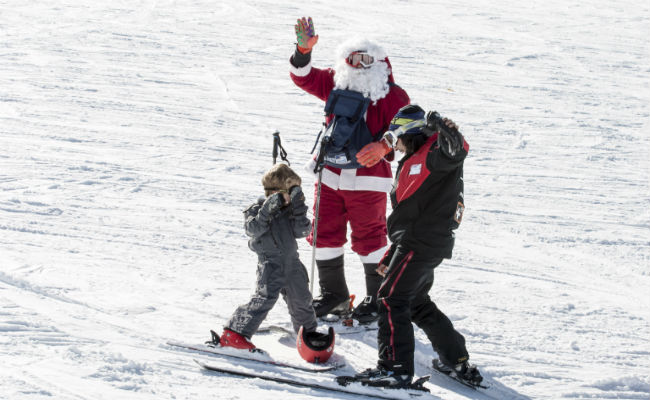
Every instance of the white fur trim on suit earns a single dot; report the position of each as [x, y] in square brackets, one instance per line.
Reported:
[302, 71]
[375, 256]
[348, 180]
[373, 183]
[327, 253]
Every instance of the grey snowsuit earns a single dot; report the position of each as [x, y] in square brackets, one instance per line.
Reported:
[279, 269]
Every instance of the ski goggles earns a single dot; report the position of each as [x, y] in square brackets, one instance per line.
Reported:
[360, 59]
[276, 190]
[412, 127]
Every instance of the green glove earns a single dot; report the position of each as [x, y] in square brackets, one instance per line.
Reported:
[305, 35]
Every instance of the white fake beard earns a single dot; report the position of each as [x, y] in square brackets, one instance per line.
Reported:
[371, 82]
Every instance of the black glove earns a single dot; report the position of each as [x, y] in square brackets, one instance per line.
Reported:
[296, 194]
[449, 139]
[271, 205]
[299, 209]
[297, 201]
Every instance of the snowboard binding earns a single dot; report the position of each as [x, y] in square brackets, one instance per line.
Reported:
[468, 375]
[417, 384]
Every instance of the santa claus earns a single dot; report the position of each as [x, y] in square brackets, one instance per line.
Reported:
[354, 193]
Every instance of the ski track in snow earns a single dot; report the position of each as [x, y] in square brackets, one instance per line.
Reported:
[133, 134]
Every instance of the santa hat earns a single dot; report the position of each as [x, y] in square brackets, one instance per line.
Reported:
[360, 44]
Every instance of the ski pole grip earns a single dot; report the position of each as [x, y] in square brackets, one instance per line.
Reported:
[276, 140]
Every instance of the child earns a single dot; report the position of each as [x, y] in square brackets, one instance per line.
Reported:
[274, 223]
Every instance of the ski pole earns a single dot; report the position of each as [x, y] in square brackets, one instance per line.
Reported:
[320, 164]
[313, 251]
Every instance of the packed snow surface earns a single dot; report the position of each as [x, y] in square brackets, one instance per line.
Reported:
[134, 133]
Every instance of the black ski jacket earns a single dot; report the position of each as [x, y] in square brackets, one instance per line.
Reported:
[427, 200]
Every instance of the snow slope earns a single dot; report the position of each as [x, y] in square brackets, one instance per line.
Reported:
[133, 134]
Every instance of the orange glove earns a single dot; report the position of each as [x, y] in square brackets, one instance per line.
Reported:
[372, 153]
[305, 35]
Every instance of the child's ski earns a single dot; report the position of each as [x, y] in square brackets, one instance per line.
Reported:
[258, 357]
[339, 328]
[297, 381]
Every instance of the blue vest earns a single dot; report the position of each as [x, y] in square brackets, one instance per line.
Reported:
[348, 131]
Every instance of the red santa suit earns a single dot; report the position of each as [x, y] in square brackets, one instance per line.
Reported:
[354, 196]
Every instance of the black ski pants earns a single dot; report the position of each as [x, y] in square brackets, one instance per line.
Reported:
[404, 299]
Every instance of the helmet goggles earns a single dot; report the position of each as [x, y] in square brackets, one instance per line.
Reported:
[412, 127]
[360, 59]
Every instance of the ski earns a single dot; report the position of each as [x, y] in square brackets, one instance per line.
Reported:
[437, 366]
[357, 328]
[276, 329]
[258, 357]
[298, 382]
[339, 329]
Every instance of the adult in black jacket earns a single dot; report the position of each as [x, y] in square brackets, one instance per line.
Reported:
[428, 204]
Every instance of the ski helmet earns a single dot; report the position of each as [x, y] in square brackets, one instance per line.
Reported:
[408, 120]
[315, 347]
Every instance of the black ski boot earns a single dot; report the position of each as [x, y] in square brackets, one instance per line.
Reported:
[330, 303]
[334, 297]
[366, 312]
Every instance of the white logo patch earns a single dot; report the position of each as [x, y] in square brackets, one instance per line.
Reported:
[415, 169]
[337, 159]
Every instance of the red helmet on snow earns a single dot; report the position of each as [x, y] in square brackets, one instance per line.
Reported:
[315, 347]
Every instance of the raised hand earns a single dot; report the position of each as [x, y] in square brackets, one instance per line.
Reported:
[450, 138]
[305, 35]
